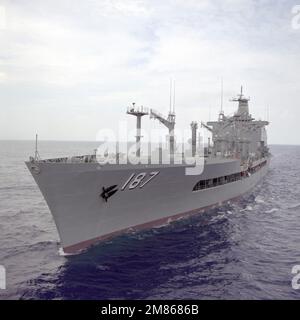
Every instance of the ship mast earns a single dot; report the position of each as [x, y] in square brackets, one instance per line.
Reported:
[36, 153]
[243, 108]
[221, 114]
[194, 127]
[138, 112]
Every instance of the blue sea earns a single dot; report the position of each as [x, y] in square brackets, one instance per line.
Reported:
[243, 250]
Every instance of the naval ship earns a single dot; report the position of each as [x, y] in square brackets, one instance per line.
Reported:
[92, 201]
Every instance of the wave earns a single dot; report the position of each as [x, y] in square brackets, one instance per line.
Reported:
[295, 206]
[272, 210]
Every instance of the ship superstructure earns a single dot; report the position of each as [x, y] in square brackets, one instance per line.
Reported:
[239, 135]
[91, 201]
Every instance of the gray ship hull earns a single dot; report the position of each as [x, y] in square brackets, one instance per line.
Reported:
[83, 216]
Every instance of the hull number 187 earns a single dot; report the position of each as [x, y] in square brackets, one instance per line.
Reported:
[139, 180]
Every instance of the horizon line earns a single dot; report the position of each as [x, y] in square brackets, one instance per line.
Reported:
[50, 140]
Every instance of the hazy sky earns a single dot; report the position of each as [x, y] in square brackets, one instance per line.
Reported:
[69, 68]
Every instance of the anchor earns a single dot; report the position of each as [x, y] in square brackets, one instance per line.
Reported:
[108, 192]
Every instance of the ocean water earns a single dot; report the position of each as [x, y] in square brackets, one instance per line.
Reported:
[244, 250]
